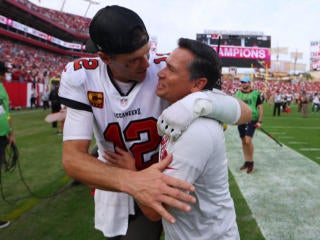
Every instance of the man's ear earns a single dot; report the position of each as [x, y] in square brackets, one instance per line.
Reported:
[104, 57]
[199, 84]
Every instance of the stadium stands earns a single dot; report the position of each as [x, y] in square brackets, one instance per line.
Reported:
[62, 25]
[59, 32]
[34, 59]
[230, 86]
[28, 61]
[37, 43]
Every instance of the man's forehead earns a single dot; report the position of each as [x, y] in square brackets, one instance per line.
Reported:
[181, 53]
[141, 52]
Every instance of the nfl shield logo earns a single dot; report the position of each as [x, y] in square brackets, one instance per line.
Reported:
[123, 101]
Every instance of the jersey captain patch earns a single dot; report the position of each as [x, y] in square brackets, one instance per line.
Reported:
[95, 99]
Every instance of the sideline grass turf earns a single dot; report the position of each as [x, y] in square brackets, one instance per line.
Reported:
[70, 215]
[283, 191]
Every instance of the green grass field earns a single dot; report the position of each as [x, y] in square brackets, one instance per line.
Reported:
[57, 210]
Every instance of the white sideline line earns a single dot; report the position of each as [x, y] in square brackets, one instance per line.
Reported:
[277, 133]
[283, 192]
[290, 127]
[310, 149]
[286, 137]
[300, 143]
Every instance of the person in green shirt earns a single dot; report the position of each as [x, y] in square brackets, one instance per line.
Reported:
[246, 131]
[6, 132]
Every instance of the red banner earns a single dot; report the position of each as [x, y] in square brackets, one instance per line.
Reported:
[20, 93]
[17, 93]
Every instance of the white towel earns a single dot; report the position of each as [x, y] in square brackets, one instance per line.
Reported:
[112, 211]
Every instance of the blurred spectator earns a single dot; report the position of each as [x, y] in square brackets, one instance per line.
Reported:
[289, 98]
[33, 98]
[46, 79]
[45, 98]
[277, 102]
[304, 104]
[55, 101]
[284, 102]
[8, 74]
[315, 103]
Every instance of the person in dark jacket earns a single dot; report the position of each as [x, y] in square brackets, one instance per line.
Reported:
[55, 101]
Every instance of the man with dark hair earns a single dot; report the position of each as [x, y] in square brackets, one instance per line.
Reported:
[6, 132]
[113, 96]
[193, 67]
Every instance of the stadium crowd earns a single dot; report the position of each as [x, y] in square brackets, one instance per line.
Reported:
[71, 22]
[30, 64]
[290, 91]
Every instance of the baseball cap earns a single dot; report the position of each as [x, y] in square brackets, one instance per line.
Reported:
[3, 68]
[245, 79]
[116, 30]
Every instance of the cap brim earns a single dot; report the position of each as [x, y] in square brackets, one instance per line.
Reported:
[91, 47]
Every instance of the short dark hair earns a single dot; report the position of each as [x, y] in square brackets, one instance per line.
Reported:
[206, 63]
[116, 30]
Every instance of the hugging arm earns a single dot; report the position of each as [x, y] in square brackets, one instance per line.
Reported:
[212, 104]
[159, 193]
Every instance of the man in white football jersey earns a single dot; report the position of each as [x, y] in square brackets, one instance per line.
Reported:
[113, 96]
[199, 155]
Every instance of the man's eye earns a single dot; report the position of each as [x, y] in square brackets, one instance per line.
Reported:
[133, 61]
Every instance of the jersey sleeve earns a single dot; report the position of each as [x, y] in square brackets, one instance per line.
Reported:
[71, 91]
[78, 125]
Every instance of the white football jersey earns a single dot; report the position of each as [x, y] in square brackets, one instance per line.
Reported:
[128, 121]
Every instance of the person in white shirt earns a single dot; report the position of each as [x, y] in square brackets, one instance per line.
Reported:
[315, 103]
[277, 103]
[199, 155]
